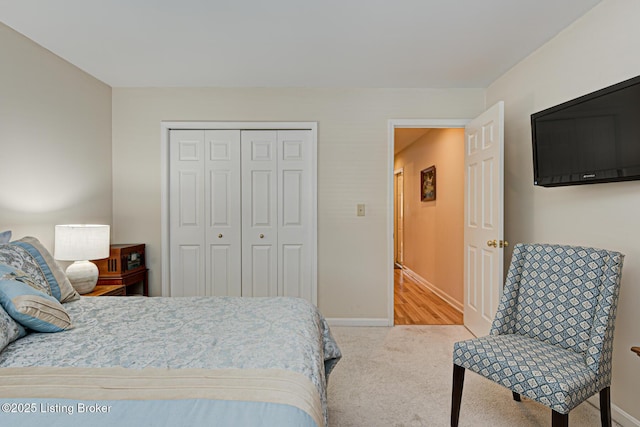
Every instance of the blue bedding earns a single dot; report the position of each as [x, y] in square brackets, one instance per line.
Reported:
[153, 337]
[152, 413]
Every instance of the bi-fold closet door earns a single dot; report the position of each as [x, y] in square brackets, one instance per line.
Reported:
[240, 210]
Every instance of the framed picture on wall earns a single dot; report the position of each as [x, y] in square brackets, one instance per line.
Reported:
[428, 184]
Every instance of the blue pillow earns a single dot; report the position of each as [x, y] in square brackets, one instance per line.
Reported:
[5, 236]
[33, 309]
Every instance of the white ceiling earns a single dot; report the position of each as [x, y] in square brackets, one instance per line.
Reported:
[293, 43]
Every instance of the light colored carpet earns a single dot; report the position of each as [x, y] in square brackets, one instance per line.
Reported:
[401, 376]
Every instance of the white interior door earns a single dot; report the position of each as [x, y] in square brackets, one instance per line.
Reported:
[483, 217]
[294, 214]
[259, 213]
[186, 212]
[222, 213]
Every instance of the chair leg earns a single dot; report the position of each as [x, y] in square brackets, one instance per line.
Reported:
[456, 395]
[559, 420]
[605, 407]
[516, 396]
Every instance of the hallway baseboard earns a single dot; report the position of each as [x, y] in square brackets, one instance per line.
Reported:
[358, 321]
[422, 281]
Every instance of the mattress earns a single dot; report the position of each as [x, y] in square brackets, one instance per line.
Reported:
[173, 361]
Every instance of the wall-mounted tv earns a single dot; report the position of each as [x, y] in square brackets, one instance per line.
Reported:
[591, 139]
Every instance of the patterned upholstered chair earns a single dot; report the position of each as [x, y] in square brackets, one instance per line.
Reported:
[552, 337]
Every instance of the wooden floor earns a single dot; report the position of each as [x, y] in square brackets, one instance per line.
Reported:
[414, 304]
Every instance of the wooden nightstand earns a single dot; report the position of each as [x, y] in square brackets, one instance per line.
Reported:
[107, 290]
[128, 282]
[125, 267]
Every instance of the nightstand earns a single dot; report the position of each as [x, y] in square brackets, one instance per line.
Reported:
[106, 290]
[127, 281]
[125, 267]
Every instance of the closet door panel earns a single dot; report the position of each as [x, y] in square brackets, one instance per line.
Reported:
[293, 200]
[261, 204]
[220, 280]
[259, 213]
[292, 271]
[187, 274]
[260, 280]
[294, 214]
[186, 212]
[222, 212]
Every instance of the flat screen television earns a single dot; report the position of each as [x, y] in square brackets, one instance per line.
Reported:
[591, 139]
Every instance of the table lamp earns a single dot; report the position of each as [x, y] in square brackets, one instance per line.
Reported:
[81, 243]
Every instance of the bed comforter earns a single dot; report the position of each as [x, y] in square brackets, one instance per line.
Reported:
[210, 361]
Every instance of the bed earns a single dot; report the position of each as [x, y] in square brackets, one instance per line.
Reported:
[135, 361]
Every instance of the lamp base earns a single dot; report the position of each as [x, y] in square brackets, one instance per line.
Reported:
[83, 276]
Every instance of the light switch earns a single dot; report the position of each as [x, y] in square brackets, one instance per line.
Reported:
[361, 209]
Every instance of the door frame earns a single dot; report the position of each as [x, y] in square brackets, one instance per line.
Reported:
[167, 126]
[397, 237]
[392, 126]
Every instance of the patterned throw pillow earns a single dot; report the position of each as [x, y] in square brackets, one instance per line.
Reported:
[9, 329]
[33, 309]
[30, 256]
[10, 273]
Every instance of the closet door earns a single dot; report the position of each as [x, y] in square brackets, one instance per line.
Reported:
[186, 212]
[259, 213]
[222, 213]
[241, 213]
[294, 213]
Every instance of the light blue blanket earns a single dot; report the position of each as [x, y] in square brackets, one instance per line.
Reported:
[180, 333]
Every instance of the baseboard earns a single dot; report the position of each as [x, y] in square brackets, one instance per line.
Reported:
[358, 322]
[617, 414]
[445, 296]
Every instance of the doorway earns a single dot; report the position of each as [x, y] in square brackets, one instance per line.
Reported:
[427, 233]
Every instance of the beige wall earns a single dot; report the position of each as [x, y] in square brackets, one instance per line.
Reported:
[55, 141]
[600, 49]
[434, 232]
[353, 161]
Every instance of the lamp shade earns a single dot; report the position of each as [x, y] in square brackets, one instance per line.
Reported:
[80, 242]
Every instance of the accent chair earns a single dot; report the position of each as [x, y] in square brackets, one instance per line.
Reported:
[552, 337]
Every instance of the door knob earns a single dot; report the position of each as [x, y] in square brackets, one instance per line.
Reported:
[262, 236]
[220, 236]
[503, 243]
[493, 243]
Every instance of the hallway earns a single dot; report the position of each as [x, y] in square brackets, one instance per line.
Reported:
[416, 305]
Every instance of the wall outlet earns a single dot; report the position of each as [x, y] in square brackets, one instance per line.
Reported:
[361, 209]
